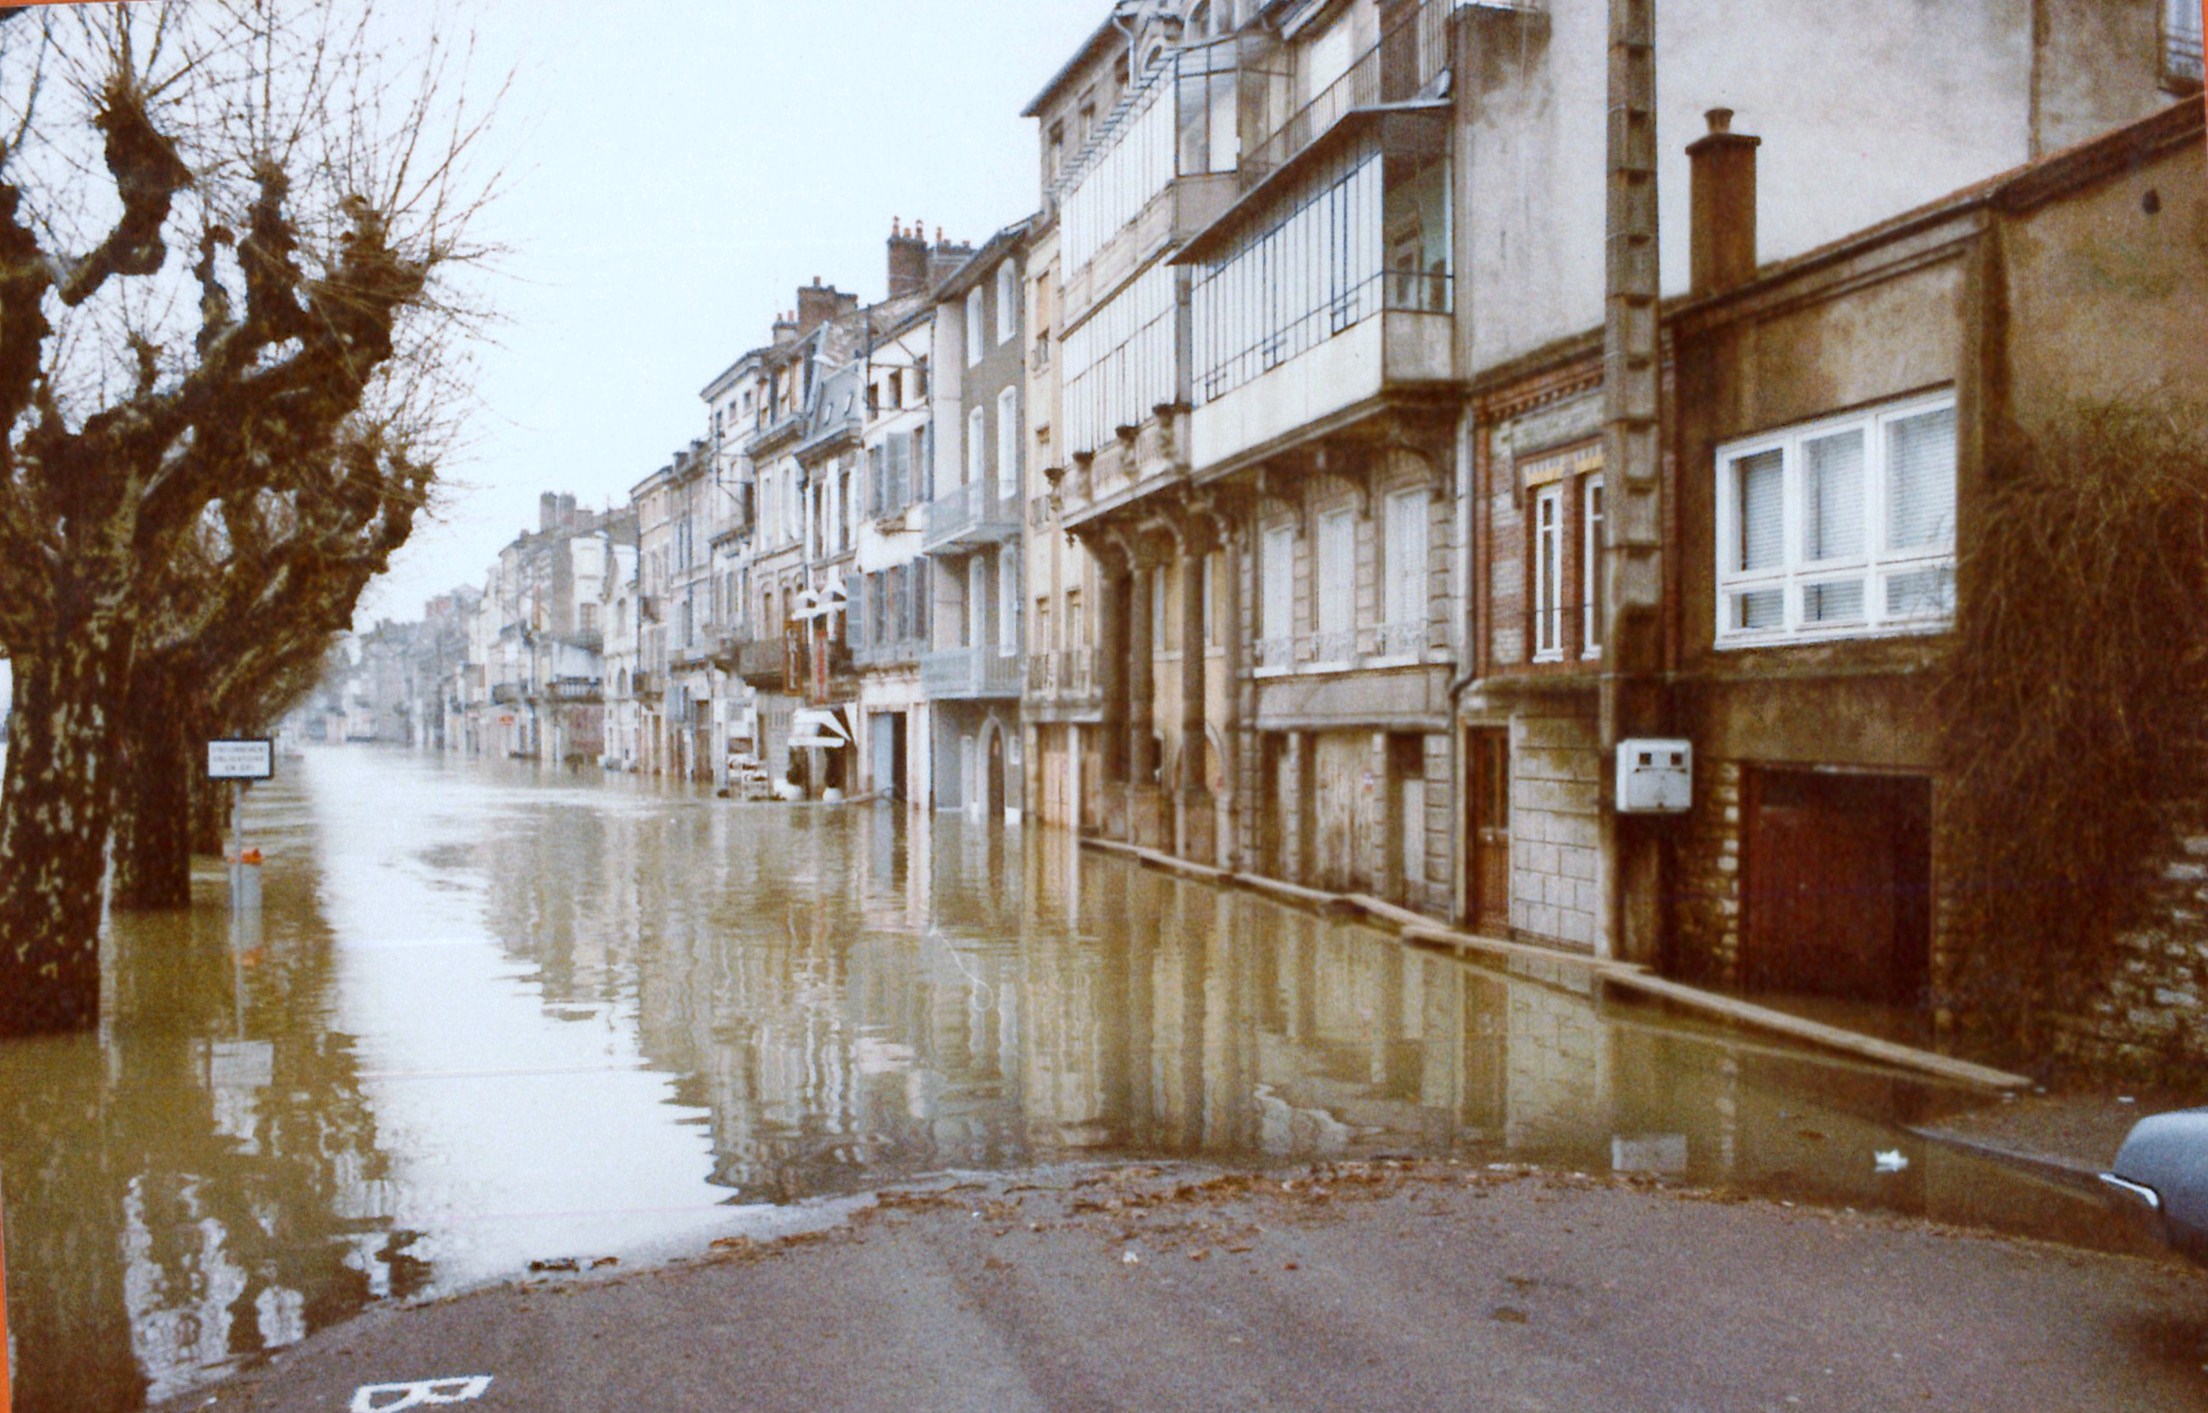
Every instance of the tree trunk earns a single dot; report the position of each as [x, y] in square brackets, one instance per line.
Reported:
[54, 825]
[153, 811]
[210, 814]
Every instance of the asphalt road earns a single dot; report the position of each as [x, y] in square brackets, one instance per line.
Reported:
[1423, 1286]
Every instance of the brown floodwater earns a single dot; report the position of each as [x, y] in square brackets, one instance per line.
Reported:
[486, 1017]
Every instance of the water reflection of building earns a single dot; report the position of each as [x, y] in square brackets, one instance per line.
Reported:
[197, 1183]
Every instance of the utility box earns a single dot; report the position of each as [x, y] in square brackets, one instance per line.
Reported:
[1655, 776]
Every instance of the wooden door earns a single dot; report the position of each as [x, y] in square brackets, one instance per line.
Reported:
[1488, 837]
[1837, 885]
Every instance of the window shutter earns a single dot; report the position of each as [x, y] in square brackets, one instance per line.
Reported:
[876, 469]
[1337, 586]
[920, 593]
[1920, 481]
[1279, 587]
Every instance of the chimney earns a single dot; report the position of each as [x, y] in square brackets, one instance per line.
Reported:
[816, 305]
[785, 330]
[1721, 237]
[908, 260]
[548, 513]
[946, 259]
[569, 520]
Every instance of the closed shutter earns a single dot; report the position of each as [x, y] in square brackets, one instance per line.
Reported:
[1277, 569]
[1337, 586]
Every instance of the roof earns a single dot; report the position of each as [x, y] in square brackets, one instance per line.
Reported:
[2018, 189]
[969, 274]
[1106, 39]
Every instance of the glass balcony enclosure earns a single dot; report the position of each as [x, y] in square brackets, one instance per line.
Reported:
[1328, 285]
[1178, 120]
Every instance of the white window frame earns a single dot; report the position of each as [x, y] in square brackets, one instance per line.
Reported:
[1548, 572]
[977, 333]
[1875, 568]
[1404, 558]
[1008, 445]
[977, 444]
[1594, 507]
[1008, 601]
[1008, 303]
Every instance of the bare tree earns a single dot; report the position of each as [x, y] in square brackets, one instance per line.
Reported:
[253, 604]
[218, 222]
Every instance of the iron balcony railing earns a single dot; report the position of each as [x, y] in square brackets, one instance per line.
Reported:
[975, 513]
[889, 653]
[1403, 65]
[575, 689]
[970, 672]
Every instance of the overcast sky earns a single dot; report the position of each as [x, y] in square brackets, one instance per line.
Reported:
[676, 169]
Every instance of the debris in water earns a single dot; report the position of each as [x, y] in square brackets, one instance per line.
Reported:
[1129, 1258]
[1889, 1160]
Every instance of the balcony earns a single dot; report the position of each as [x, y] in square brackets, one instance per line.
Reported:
[573, 690]
[641, 685]
[1295, 345]
[763, 662]
[896, 652]
[1405, 65]
[956, 674]
[1380, 646]
[969, 517]
[506, 693]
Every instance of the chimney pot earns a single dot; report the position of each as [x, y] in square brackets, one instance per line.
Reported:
[1721, 119]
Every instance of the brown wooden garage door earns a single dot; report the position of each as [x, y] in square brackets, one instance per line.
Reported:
[1838, 883]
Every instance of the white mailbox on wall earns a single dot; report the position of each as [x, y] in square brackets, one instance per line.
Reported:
[1655, 776]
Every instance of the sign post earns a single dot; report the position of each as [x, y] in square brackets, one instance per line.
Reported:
[238, 760]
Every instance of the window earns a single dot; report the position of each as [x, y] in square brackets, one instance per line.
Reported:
[589, 612]
[1008, 601]
[977, 333]
[1403, 560]
[1841, 528]
[1336, 590]
[1008, 445]
[1008, 303]
[2181, 64]
[1277, 596]
[977, 433]
[1548, 572]
[1591, 597]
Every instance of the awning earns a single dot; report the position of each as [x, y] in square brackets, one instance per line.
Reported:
[818, 726]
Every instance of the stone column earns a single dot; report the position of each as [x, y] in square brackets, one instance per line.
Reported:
[1192, 820]
[1112, 636]
[1233, 666]
[1142, 746]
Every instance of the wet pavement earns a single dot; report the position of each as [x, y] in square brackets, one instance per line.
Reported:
[487, 1018]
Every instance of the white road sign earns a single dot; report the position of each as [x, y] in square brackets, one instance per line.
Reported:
[252, 759]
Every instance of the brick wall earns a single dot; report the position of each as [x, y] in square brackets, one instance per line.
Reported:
[2145, 1019]
[1706, 891]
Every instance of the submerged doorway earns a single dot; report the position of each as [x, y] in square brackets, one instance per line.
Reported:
[1487, 835]
[1838, 885]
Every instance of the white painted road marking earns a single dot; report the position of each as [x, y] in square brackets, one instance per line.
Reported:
[419, 1395]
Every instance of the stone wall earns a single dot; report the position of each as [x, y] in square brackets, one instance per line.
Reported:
[2145, 1020]
[1555, 824]
[1706, 891]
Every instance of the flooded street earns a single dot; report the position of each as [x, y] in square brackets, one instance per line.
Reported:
[487, 1018]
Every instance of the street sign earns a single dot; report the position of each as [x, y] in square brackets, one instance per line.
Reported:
[251, 759]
